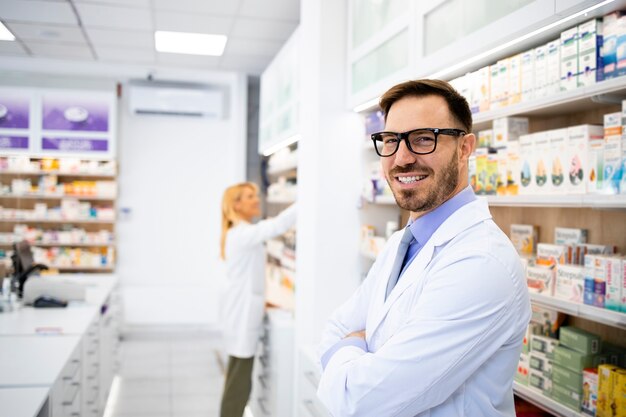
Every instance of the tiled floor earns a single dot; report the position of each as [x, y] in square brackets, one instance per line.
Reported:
[169, 376]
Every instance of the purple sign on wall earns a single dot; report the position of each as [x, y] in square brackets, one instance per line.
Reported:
[374, 122]
[75, 113]
[14, 112]
[13, 142]
[75, 144]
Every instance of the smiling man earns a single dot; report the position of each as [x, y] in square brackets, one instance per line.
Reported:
[436, 328]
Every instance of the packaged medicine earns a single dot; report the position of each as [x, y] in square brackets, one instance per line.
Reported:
[528, 74]
[614, 276]
[569, 236]
[570, 283]
[553, 66]
[481, 171]
[507, 129]
[559, 142]
[485, 138]
[524, 238]
[580, 340]
[541, 72]
[569, 59]
[539, 382]
[589, 52]
[543, 345]
[553, 254]
[540, 158]
[612, 176]
[540, 279]
[515, 79]
[578, 166]
[590, 391]
[525, 174]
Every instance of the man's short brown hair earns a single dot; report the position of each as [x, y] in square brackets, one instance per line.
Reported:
[457, 104]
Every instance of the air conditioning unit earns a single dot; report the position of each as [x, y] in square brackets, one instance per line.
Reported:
[176, 99]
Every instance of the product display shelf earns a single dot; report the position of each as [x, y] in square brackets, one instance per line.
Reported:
[289, 170]
[58, 221]
[275, 200]
[68, 245]
[600, 315]
[381, 199]
[83, 268]
[578, 100]
[58, 173]
[56, 197]
[598, 201]
[543, 402]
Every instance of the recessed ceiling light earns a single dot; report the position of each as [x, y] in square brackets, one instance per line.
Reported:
[5, 34]
[189, 43]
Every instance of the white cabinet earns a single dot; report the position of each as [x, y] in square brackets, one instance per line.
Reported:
[308, 379]
[65, 395]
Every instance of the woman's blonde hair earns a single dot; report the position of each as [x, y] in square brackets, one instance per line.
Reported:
[230, 217]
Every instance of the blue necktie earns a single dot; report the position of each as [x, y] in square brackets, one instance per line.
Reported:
[407, 237]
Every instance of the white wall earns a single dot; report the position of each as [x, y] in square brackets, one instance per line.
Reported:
[172, 173]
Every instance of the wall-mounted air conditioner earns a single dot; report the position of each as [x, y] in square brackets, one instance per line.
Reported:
[176, 99]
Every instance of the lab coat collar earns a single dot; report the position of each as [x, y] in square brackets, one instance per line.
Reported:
[462, 219]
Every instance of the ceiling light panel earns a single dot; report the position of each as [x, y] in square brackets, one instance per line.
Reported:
[189, 43]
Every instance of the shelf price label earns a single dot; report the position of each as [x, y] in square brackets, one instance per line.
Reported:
[74, 144]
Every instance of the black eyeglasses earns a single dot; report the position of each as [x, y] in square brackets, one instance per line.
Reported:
[419, 141]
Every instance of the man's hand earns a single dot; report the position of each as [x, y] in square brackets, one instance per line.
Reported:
[360, 334]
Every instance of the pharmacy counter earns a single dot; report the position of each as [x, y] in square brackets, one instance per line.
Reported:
[23, 402]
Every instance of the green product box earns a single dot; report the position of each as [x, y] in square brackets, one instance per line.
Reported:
[540, 382]
[579, 340]
[567, 379]
[615, 355]
[543, 344]
[539, 362]
[567, 397]
[600, 359]
[571, 359]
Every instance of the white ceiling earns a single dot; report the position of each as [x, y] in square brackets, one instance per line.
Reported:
[122, 31]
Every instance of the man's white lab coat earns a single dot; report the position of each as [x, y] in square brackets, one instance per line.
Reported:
[447, 340]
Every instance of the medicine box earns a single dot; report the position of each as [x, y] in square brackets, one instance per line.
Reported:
[492, 174]
[607, 380]
[548, 318]
[558, 161]
[528, 74]
[507, 129]
[569, 236]
[580, 340]
[613, 30]
[589, 52]
[590, 391]
[512, 168]
[571, 359]
[596, 163]
[485, 138]
[569, 59]
[567, 397]
[623, 293]
[540, 158]
[526, 173]
[521, 375]
[496, 88]
[570, 283]
[614, 275]
[540, 362]
[541, 71]
[504, 72]
[578, 166]
[622, 186]
[553, 254]
[540, 382]
[619, 393]
[540, 279]
[501, 179]
[543, 345]
[553, 64]
[515, 79]
[481, 170]
[532, 329]
[612, 176]
[567, 378]
[591, 249]
[524, 238]
[482, 89]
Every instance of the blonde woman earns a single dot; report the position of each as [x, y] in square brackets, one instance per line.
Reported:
[243, 301]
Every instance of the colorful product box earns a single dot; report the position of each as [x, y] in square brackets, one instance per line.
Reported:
[485, 138]
[622, 186]
[550, 254]
[540, 382]
[613, 30]
[492, 174]
[512, 168]
[549, 319]
[524, 238]
[569, 59]
[543, 345]
[540, 279]
[623, 293]
[607, 381]
[567, 378]
[590, 52]
[614, 275]
[526, 170]
[569, 236]
[578, 166]
[553, 65]
[570, 283]
[541, 158]
[559, 144]
[541, 71]
[596, 164]
[528, 74]
[590, 391]
[580, 340]
[619, 393]
[523, 369]
[567, 397]
[508, 129]
[501, 181]
[585, 249]
[571, 359]
[482, 89]
[481, 170]
[612, 153]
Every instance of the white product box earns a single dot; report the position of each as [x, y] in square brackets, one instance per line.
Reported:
[614, 276]
[539, 361]
[612, 176]
[570, 283]
[569, 59]
[589, 54]
[502, 158]
[541, 71]
[540, 279]
[481, 90]
[584, 249]
[569, 236]
[504, 69]
[553, 254]
[622, 185]
[492, 174]
[496, 87]
[596, 164]
[512, 168]
[590, 392]
[485, 138]
[541, 160]
[515, 79]
[613, 29]
[528, 74]
[508, 129]
[578, 166]
[558, 161]
[553, 66]
[526, 169]
[524, 238]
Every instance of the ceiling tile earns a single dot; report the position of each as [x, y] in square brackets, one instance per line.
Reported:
[198, 61]
[239, 46]
[223, 8]
[243, 63]
[11, 48]
[262, 29]
[130, 3]
[37, 11]
[47, 33]
[197, 23]
[126, 38]
[271, 9]
[41, 49]
[130, 55]
[96, 15]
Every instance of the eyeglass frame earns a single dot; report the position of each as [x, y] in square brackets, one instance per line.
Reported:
[404, 136]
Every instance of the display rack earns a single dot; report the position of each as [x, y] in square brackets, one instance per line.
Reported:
[596, 314]
[543, 402]
[596, 201]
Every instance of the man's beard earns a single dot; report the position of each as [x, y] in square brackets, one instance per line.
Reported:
[415, 200]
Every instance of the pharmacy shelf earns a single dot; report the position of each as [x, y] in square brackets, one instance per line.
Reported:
[543, 402]
[55, 197]
[564, 102]
[287, 169]
[83, 268]
[281, 200]
[58, 221]
[382, 200]
[57, 173]
[596, 314]
[597, 201]
[65, 245]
